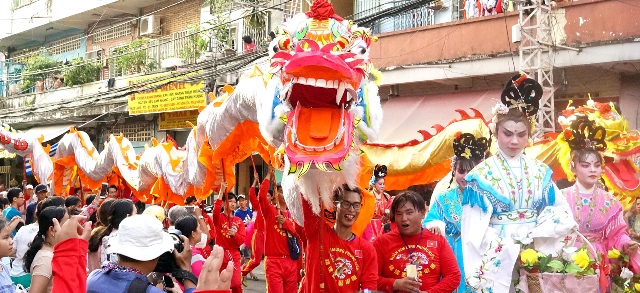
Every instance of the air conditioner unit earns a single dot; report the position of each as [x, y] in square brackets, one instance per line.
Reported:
[150, 26]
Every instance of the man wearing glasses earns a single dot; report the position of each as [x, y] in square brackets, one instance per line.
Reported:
[16, 199]
[336, 259]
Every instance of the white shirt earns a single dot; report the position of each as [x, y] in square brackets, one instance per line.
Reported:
[21, 242]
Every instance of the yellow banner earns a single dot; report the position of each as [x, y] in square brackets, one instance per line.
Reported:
[175, 96]
[177, 120]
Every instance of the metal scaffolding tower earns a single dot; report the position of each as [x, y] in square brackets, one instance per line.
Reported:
[536, 58]
[292, 8]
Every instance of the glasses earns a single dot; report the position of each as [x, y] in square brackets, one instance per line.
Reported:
[348, 205]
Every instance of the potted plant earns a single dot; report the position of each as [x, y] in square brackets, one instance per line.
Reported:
[81, 72]
[39, 68]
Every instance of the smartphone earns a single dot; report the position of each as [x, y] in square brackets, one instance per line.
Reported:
[168, 283]
[103, 190]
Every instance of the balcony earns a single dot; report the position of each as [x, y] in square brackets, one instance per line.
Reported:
[15, 4]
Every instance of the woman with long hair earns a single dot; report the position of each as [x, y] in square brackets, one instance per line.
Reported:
[37, 259]
[119, 210]
[446, 211]
[598, 213]
[188, 226]
[95, 242]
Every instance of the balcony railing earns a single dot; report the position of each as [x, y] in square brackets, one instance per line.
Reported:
[21, 3]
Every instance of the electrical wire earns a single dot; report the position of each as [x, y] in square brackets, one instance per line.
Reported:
[112, 26]
[148, 47]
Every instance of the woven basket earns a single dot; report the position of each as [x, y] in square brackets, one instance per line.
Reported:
[533, 282]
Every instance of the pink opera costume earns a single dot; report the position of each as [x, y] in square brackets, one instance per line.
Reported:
[383, 203]
[598, 213]
[506, 193]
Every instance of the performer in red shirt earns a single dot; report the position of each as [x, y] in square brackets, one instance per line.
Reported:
[257, 241]
[336, 259]
[410, 258]
[280, 269]
[230, 234]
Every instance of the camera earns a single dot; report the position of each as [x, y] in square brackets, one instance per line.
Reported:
[167, 262]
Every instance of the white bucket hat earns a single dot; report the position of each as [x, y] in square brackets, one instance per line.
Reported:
[141, 238]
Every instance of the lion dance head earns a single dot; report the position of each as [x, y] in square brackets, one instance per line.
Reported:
[320, 104]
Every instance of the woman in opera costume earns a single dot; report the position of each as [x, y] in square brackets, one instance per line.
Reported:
[383, 202]
[444, 214]
[506, 193]
[598, 213]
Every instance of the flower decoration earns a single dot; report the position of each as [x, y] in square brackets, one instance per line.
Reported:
[582, 259]
[499, 108]
[613, 253]
[529, 257]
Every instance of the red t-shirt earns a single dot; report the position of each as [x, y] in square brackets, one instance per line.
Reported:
[435, 262]
[276, 240]
[223, 224]
[333, 264]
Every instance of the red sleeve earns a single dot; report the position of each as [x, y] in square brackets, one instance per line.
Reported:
[300, 233]
[370, 267]
[241, 234]
[450, 273]
[265, 207]
[253, 199]
[384, 284]
[217, 212]
[213, 291]
[68, 265]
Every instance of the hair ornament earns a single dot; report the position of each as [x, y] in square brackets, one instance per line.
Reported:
[584, 134]
[379, 171]
[522, 93]
[467, 146]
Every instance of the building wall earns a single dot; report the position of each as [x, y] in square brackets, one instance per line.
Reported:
[601, 21]
[480, 37]
[175, 18]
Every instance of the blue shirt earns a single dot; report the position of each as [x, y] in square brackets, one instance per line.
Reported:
[117, 281]
[6, 285]
[245, 216]
[8, 214]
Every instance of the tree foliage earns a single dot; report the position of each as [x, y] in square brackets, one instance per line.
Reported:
[81, 72]
[38, 68]
[133, 58]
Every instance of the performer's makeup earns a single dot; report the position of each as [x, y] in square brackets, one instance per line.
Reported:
[588, 170]
[512, 137]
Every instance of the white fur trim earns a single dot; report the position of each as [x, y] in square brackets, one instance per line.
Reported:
[435, 223]
[375, 111]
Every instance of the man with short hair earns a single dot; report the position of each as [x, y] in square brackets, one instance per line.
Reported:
[16, 199]
[243, 212]
[41, 191]
[113, 192]
[139, 244]
[411, 258]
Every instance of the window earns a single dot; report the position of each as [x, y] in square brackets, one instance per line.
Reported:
[24, 55]
[64, 45]
[136, 131]
[114, 32]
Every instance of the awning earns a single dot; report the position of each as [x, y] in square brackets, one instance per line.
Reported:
[403, 117]
[49, 131]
